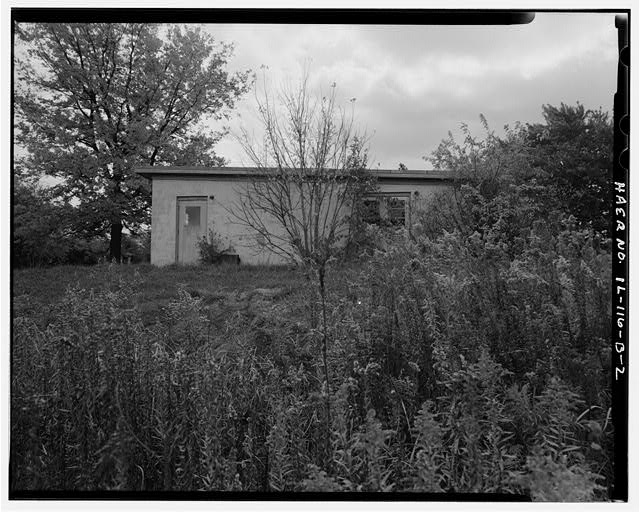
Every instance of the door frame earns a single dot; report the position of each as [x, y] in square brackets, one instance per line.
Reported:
[179, 200]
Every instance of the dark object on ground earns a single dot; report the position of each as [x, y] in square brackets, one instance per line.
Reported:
[227, 259]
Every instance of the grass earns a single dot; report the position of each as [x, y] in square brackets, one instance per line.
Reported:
[158, 285]
[38, 288]
[91, 379]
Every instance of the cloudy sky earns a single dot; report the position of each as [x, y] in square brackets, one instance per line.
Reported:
[413, 84]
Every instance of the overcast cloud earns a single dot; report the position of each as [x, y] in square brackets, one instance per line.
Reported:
[413, 84]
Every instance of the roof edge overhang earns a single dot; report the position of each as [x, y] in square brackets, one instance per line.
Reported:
[239, 173]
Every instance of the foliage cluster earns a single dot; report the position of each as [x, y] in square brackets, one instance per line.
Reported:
[48, 232]
[562, 167]
[212, 248]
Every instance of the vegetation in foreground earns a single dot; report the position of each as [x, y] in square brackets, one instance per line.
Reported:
[435, 384]
[468, 354]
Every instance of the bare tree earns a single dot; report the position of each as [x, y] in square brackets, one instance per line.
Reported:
[311, 174]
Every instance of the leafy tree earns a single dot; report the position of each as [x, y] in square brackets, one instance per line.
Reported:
[573, 149]
[95, 100]
[554, 170]
[495, 193]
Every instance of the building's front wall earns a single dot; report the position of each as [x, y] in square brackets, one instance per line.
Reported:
[221, 195]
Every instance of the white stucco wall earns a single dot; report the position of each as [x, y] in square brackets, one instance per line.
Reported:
[219, 219]
[227, 192]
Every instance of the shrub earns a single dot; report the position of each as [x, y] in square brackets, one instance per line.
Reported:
[213, 248]
[38, 229]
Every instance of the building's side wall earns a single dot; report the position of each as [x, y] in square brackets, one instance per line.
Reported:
[226, 193]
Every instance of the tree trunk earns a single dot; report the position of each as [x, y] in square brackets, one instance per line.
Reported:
[325, 363]
[321, 272]
[115, 250]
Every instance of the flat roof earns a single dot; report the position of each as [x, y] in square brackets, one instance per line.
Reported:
[244, 172]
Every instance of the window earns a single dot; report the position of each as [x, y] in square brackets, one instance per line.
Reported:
[396, 211]
[371, 211]
[192, 216]
[385, 211]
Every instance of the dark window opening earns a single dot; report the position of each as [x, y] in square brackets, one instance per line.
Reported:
[371, 211]
[385, 211]
[396, 211]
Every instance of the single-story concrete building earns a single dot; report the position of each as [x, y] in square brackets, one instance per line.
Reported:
[189, 202]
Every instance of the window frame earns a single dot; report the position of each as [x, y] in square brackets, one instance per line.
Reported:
[383, 216]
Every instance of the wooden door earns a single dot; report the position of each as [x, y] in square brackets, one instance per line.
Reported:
[192, 226]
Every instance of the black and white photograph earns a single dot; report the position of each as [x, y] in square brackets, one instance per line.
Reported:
[264, 254]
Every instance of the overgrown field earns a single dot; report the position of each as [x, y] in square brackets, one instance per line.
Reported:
[448, 373]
